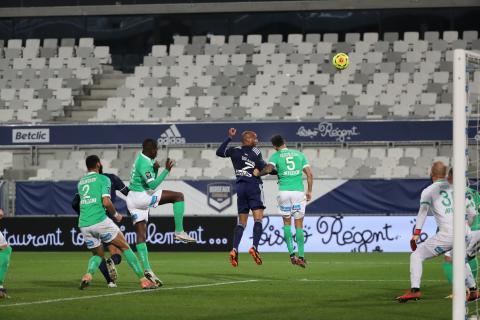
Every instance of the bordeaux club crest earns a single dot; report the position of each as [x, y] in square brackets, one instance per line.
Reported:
[219, 195]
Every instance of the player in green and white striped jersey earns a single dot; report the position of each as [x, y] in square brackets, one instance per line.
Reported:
[292, 199]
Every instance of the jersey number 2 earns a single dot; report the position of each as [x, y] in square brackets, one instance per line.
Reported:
[85, 190]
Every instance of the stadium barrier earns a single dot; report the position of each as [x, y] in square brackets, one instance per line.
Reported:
[196, 133]
[62, 233]
[217, 197]
[322, 234]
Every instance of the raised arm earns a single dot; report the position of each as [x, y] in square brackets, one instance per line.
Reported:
[154, 183]
[222, 150]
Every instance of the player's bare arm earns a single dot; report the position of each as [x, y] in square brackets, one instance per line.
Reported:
[267, 170]
[308, 172]
[107, 203]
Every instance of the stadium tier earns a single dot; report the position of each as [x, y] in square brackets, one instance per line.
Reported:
[236, 78]
[242, 78]
[38, 82]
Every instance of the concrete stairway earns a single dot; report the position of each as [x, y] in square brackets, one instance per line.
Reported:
[95, 96]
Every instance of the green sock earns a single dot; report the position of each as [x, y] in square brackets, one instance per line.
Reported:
[178, 209]
[301, 242]
[143, 253]
[4, 263]
[448, 270]
[287, 232]
[474, 266]
[93, 264]
[133, 262]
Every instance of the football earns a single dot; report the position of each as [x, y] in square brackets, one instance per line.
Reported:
[340, 61]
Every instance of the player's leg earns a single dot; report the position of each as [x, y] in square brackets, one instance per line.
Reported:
[300, 237]
[287, 235]
[243, 210]
[237, 237]
[93, 264]
[5, 253]
[285, 209]
[178, 201]
[256, 203]
[432, 247]
[257, 234]
[299, 203]
[447, 267]
[121, 243]
[107, 267]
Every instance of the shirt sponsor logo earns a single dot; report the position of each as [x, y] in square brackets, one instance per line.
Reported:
[30, 135]
[171, 136]
[329, 130]
[219, 196]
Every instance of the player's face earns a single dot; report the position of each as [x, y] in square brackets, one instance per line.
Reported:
[250, 139]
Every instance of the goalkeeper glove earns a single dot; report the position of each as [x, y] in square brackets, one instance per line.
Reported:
[415, 237]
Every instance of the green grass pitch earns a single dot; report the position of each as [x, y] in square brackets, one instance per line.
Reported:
[205, 286]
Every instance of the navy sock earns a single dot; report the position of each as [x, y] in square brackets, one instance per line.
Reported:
[257, 233]
[116, 258]
[104, 271]
[237, 236]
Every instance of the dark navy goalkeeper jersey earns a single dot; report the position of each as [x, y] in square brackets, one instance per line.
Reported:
[244, 160]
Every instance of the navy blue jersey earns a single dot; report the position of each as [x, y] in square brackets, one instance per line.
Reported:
[244, 160]
[117, 185]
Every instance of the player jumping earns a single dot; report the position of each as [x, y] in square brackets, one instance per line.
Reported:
[143, 196]
[291, 198]
[96, 227]
[438, 199]
[249, 189]
[5, 253]
[107, 267]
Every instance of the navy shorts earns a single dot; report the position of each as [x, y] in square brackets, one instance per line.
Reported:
[249, 197]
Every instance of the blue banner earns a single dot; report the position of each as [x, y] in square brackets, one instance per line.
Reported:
[184, 133]
[50, 198]
[216, 198]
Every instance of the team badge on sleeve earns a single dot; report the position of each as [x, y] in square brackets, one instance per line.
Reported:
[148, 175]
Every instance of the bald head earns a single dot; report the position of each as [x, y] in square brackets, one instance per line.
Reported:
[438, 171]
[249, 138]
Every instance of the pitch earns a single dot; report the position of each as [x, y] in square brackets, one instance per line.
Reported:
[205, 286]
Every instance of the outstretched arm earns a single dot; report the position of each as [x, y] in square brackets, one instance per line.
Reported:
[222, 150]
[268, 169]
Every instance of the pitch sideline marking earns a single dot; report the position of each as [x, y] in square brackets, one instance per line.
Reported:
[124, 293]
[366, 280]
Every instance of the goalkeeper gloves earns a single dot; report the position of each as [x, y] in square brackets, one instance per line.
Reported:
[415, 237]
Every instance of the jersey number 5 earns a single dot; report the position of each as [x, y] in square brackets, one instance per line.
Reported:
[290, 163]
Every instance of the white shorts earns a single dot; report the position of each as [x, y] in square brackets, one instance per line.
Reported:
[139, 204]
[436, 245]
[292, 204]
[104, 231]
[3, 241]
